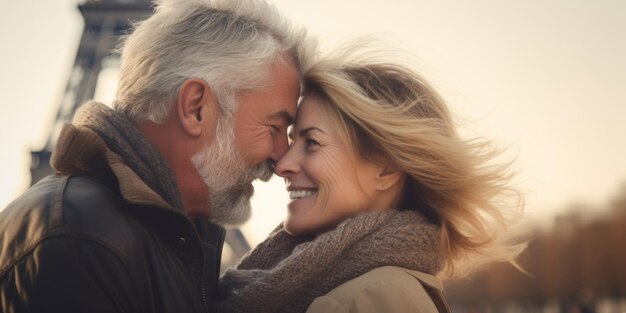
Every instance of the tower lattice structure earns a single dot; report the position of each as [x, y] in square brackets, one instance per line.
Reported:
[105, 21]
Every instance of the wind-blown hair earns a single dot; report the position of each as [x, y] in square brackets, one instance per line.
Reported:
[390, 114]
[228, 43]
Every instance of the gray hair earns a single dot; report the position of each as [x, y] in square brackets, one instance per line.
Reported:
[227, 43]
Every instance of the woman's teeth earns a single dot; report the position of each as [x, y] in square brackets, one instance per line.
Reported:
[297, 194]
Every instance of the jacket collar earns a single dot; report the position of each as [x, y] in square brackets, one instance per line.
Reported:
[426, 279]
[80, 151]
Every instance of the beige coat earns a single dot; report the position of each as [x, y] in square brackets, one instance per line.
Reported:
[387, 289]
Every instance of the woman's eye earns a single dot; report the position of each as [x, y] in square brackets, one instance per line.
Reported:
[311, 142]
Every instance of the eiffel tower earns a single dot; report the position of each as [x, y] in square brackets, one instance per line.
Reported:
[105, 22]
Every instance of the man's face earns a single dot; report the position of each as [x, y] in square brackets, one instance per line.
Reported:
[262, 118]
[246, 144]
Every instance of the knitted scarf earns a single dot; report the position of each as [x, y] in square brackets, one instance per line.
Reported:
[286, 273]
[122, 137]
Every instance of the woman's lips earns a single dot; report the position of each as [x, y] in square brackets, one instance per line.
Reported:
[301, 193]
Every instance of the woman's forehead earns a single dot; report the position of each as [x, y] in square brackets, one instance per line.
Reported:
[312, 111]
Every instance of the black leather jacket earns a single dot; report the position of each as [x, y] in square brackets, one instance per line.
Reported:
[73, 244]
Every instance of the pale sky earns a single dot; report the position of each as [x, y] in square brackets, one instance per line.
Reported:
[545, 78]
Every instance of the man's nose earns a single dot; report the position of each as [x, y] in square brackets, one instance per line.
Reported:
[287, 165]
[281, 145]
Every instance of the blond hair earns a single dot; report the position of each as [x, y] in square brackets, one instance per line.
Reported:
[228, 43]
[391, 114]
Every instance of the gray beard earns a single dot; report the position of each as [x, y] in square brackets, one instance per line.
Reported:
[228, 180]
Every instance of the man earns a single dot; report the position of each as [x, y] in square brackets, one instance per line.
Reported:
[133, 220]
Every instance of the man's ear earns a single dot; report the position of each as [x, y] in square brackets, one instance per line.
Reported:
[388, 176]
[197, 106]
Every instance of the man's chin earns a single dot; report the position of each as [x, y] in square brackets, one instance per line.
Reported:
[232, 212]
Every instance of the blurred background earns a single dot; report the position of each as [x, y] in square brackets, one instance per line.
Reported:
[544, 79]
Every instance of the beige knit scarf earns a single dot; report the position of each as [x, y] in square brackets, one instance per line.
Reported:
[286, 273]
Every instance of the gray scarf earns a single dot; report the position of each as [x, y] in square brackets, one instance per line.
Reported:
[286, 273]
[122, 137]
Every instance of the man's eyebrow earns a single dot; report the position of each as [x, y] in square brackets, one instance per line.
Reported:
[283, 115]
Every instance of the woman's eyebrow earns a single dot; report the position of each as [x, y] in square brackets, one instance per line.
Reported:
[305, 131]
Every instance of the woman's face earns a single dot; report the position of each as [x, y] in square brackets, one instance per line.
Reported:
[327, 183]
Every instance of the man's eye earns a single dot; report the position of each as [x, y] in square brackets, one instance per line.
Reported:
[276, 128]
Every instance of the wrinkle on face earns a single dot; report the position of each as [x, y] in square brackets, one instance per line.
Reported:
[258, 111]
[245, 143]
[343, 179]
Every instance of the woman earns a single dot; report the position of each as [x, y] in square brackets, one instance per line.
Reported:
[384, 196]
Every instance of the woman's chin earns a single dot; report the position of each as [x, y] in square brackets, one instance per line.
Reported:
[298, 225]
[290, 228]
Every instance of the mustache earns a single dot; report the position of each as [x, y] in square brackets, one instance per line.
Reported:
[262, 171]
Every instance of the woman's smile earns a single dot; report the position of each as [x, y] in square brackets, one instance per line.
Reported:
[327, 182]
[299, 194]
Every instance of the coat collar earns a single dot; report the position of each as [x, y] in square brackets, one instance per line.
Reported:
[80, 151]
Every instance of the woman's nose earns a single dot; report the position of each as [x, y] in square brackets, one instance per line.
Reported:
[288, 164]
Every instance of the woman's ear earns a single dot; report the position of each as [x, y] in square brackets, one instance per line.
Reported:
[197, 107]
[389, 176]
